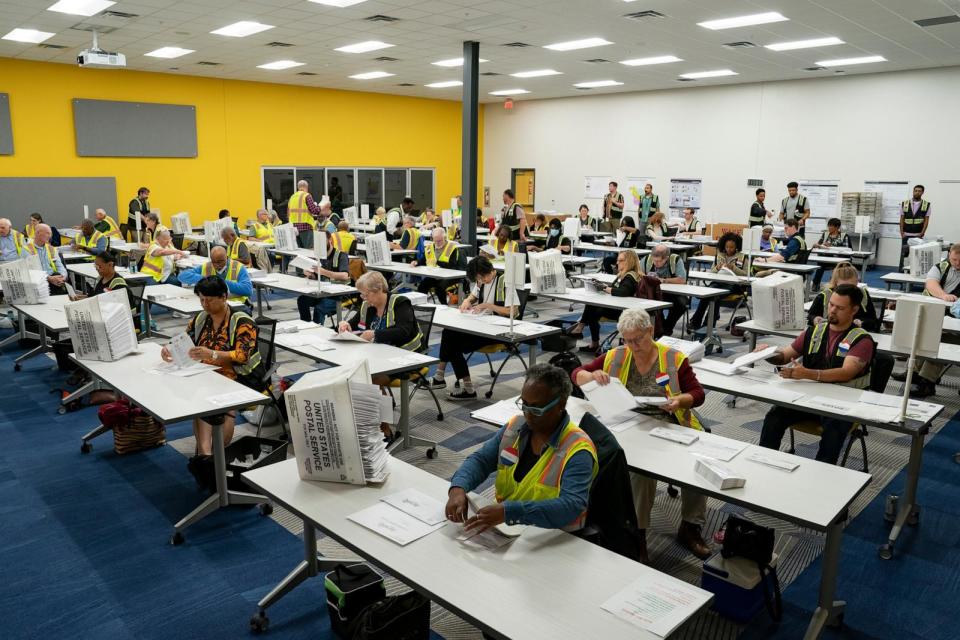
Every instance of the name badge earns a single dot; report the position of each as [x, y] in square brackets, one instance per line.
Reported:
[509, 457]
[663, 379]
[844, 347]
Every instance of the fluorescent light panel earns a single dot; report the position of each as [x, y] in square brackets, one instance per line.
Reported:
[804, 44]
[640, 62]
[595, 84]
[718, 73]
[585, 43]
[371, 75]
[454, 62]
[169, 52]
[338, 3]
[364, 47]
[28, 35]
[444, 85]
[539, 73]
[242, 29]
[280, 65]
[81, 7]
[743, 21]
[844, 62]
[509, 92]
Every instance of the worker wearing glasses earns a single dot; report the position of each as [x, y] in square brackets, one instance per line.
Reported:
[544, 463]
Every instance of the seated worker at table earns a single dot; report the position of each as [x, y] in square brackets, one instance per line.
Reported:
[380, 220]
[668, 269]
[151, 227]
[657, 228]
[344, 240]
[438, 253]
[845, 273]
[160, 259]
[227, 339]
[502, 243]
[767, 241]
[489, 296]
[539, 222]
[586, 221]
[225, 213]
[649, 368]
[49, 259]
[836, 351]
[428, 219]
[630, 239]
[792, 245]
[237, 248]
[832, 237]
[107, 225]
[556, 240]
[691, 226]
[263, 227]
[728, 258]
[336, 267]
[409, 235]
[89, 240]
[34, 221]
[230, 271]
[544, 463]
[12, 242]
[625, 286]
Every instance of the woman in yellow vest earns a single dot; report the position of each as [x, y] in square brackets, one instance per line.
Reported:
[502, 243]
[438, 253]
[624, 286]
[380, 220]
[544, 463]
[650, 369]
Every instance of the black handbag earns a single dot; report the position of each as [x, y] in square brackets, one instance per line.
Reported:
[745, 539]
[351, 589]
[402, 617]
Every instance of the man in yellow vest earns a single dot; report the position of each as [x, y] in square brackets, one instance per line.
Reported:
[49, 258]
[237, 249]
[343, 240]
[263, 227]
[106, 225]
[90, 241]
[239, 286]
[302, 213]
[12, 242]
[409, 236]
[544, 463]
[439, 253]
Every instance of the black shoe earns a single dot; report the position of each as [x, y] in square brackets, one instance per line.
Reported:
[588, 349]
[923, 389]
[436, 383]
[462, 395]
[900, 376]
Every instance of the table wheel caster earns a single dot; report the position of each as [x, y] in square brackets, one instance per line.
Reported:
[259, 623]
[85, 447]
[266, 509]
[432, 453]
[17, 367]
[886, 551]
[62, 409]
[672, 491]
[914, 518]
[176, 539]
[488, 395]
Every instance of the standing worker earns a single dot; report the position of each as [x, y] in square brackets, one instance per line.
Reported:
[914, 218]
[649, 204]
[758, 211]
[139, 205]
[513, 217]
[795, 206]
[613, 206]
[302, 212]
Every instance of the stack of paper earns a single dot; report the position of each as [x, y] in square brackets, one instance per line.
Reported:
[180, 223]
[393, 524]
[285, 237]
[719, 474]
[293, 326]
[101, 327]
[682, 435]
[24, 281]
[611, 400]
[773, 460]
[691, 348]
[734, 366]
[497, 413]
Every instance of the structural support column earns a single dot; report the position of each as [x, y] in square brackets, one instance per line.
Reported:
[471, 110]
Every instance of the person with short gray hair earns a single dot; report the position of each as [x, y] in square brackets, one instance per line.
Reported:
[151, 227]
[12, 242]
[409, 235]
[237, 248]
[633, 320]
[302, 213]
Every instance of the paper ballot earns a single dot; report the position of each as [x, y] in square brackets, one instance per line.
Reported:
[335, 424]
[417, 504]
[285, 237]
[212, 229]
[101, 327]
[179, 348]
[180, 223]
[547, 274]
[348, 336]
[24, 281]
[378, 249]
[611, 399]
[734, 366]
[392, 523]
[657, 602]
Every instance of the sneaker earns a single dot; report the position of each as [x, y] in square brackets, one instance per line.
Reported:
[900, 376]
[463, 395]
[437, 383]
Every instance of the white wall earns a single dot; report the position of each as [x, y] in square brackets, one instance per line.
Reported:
[886, 126]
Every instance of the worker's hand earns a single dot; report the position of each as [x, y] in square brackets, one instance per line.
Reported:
[456, 510]
[608, 289]
[761, 346]
[165, 354]
[672, 406]
[465, 305]
[200, 353]
[55, 280]
[601, 377]
[367, 335]
[858, 323]
[949, 297]
[818, 320]
[344, 326]
[413, 263]
[310, 275]
[489, 516]
[795, 372]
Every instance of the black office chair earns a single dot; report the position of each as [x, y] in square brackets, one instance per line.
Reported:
[136, 290]
[424, 316]
[802, 256]
[266, 345]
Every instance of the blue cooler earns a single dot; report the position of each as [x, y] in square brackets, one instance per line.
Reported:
[736, 587]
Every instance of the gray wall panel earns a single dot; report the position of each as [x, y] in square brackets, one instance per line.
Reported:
[6, 129]
[59, 200]
[106, 128]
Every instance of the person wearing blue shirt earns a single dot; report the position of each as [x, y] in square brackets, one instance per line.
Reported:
[90, 240]
[12, 242]
[544, 463]
[239, 285]
[794, 243]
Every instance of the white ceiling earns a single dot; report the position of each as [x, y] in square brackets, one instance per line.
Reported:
[431, 30]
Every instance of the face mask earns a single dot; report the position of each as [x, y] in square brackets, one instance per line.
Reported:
[554, 232]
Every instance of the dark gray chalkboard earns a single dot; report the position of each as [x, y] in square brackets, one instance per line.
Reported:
[59, 200]
[6, 129]
[106, 128]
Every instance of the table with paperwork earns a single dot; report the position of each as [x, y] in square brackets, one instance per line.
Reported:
[581, 296]
[814, 495]
[532, 574]
[303, 286]
[51, 319]
[177, 299]
[170, 399]
[88, 271]
[607, 248]
[904, 281]
[437, 273]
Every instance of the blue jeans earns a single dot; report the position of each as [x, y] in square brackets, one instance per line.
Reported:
[321, 308]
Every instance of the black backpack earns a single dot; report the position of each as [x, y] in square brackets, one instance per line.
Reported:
[402, 617]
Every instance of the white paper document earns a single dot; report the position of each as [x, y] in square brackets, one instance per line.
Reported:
[822, 403]
[417, 504]
[179, 348]
[772, 460]
[348, 336]
[717, 447]
[734, 366]
[171, 369]
[497, 413]
[393, 524]
[653, 401]
[235, 398]
[682, 436]
[611, 399]
[293, 326]
[657, 602]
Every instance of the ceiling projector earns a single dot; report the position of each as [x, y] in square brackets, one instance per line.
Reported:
[97, 57]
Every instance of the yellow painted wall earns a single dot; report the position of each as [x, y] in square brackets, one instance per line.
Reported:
[241, 126]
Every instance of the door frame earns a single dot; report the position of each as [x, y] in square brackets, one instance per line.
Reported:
[513, 184]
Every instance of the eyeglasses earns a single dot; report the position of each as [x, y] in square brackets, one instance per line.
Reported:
[536, 411]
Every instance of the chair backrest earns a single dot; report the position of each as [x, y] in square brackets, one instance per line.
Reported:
[266, 334]
[424, 316]
[522, 294]
[136, 290]
[880, 371]
[802, 256]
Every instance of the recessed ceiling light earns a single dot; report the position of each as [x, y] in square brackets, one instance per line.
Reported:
[594, 84]
[453, 62]
[586, 43]
[743, 21]
[535, 74]
[280, 64]
[364, 47]
[169, 52]
[371, 75]
[28, 35]
[718, 73]
[338, 3]
[639, 62]
[242, 29]
[81, 7]
[444, 85]
[843, 62]
[508, 92]
[804, 44]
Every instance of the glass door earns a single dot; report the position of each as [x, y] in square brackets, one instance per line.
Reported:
[370, 192]
[278, 186]
[341, 188]
[314, 176]
[421, 188]
[522, 183]
[394, 187]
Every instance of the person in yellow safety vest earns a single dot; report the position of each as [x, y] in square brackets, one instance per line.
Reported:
[914, 219]
[237, 248]
[151, 227]
[502, 243]
[33, 222]
[90, 241]
[512, 217]
[232, 272]
[302, 212]
[650, 369]
[107, 225]
[428, 220]
[380, 220]
[410, 236]
[160, 257]
[384, 318]
[49, 258]
[12, 242]
[439, 253]
[544, 463]
[343, 240]
[263, 227]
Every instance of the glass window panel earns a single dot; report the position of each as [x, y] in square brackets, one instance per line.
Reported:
[395, 187]
[278, 186]
[340, 188]
[313, 175]
[421, 188]
[371, 188]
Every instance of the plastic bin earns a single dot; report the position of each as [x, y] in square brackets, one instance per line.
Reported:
[736, 587]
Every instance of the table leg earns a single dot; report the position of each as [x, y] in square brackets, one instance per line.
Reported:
[828, 611]
[20, 334]
[752, 340]
[533, 353]
[41, 348]
[908, 510]
[409, 441]
[339, 311]
[146, 316]
[711, 340]
[259, 301]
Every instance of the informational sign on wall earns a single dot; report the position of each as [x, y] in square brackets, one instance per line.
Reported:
[632, 190]
[823, 197]
[685, 192]
[596, 186]
[894, 192]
